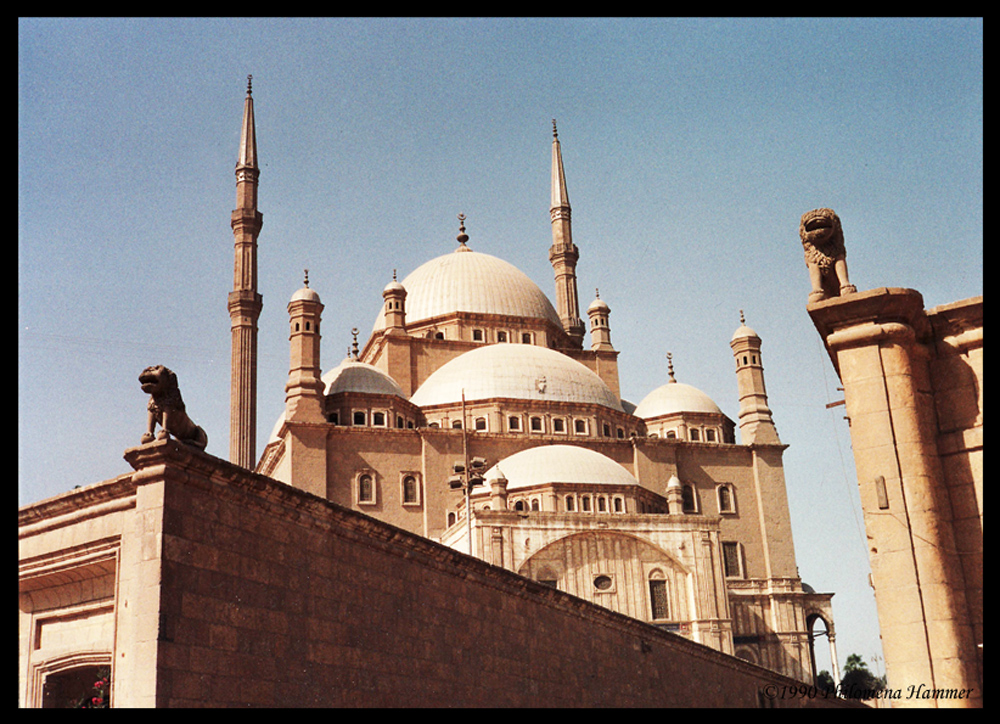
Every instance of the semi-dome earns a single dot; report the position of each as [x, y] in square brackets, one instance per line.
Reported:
[352, 375]
[469, 281]
[557, 464]
[516, 371]
[675, 397]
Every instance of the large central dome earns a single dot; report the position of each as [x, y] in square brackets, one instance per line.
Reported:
[515, 371]
[468, 281]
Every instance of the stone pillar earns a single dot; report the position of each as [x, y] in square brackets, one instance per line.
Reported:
[874, 339]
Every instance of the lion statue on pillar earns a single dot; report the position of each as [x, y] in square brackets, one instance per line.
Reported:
[826, 257]
[166, 408]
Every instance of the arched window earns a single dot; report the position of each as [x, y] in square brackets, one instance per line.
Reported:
[689, 503]
[659, 601]
[535, 505]
[569, 503]
[366, 488]
[480, 423]
[619, 505]
[727, 498]
[519, 505]
[411, 493]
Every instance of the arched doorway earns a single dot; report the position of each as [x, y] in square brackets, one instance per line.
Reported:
[823, 640]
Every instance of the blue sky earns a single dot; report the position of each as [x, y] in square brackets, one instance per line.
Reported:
[691, 147]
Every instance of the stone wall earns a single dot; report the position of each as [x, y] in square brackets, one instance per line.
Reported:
[269, 596]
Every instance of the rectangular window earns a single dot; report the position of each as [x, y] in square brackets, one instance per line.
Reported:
[658, 599]
[558, 425]
[359, 418]
[536, 424]
[513, 423]
[378, 418]
[580, 426]
[477, 335]
[526, 337]
[731, 560]
[501, 336]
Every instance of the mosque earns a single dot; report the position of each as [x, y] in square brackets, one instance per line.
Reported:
[476, 414]
[462, 512]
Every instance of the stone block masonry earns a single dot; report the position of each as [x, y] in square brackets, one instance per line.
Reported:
[270, 596]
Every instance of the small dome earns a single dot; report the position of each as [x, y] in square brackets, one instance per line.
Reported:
[393, 287]
[305, 293]
[674, 482]
[558, 464]
[598, 305]
[515, 371]
[675, 397]
[352, 375]
[743, 331]
[472, 282]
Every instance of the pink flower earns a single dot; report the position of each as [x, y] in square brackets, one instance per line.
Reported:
[99, 684]
[96, 700]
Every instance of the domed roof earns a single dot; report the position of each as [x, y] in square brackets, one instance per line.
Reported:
[675, 397]
[305, 293]
[743, 330]
[517, 371]
[557, 464]
[469, 281]
[352, 375]
[598, 305]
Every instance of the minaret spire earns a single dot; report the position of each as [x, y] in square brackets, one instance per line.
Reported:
[244, 302]
[563, 254]
[756, 423]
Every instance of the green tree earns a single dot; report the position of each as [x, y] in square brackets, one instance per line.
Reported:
[858, 679]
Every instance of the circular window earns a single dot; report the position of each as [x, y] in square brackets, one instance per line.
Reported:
[602, 583]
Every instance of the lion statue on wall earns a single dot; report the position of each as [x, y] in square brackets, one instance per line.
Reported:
[826, 257]
[166, 408]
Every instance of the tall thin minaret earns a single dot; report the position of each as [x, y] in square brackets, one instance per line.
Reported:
[563, 255]
[756, 423]
[244, 301]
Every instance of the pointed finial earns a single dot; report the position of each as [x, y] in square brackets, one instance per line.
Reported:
[597, 292]
[462, 236]
[670, 367]
[354, 344]
[742, 319]
[555, 133]
[249, 85]
[306, 282]
[394, 275]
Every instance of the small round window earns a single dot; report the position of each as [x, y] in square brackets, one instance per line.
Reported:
[602, 583]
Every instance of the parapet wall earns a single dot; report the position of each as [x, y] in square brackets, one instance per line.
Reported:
[269, 596]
